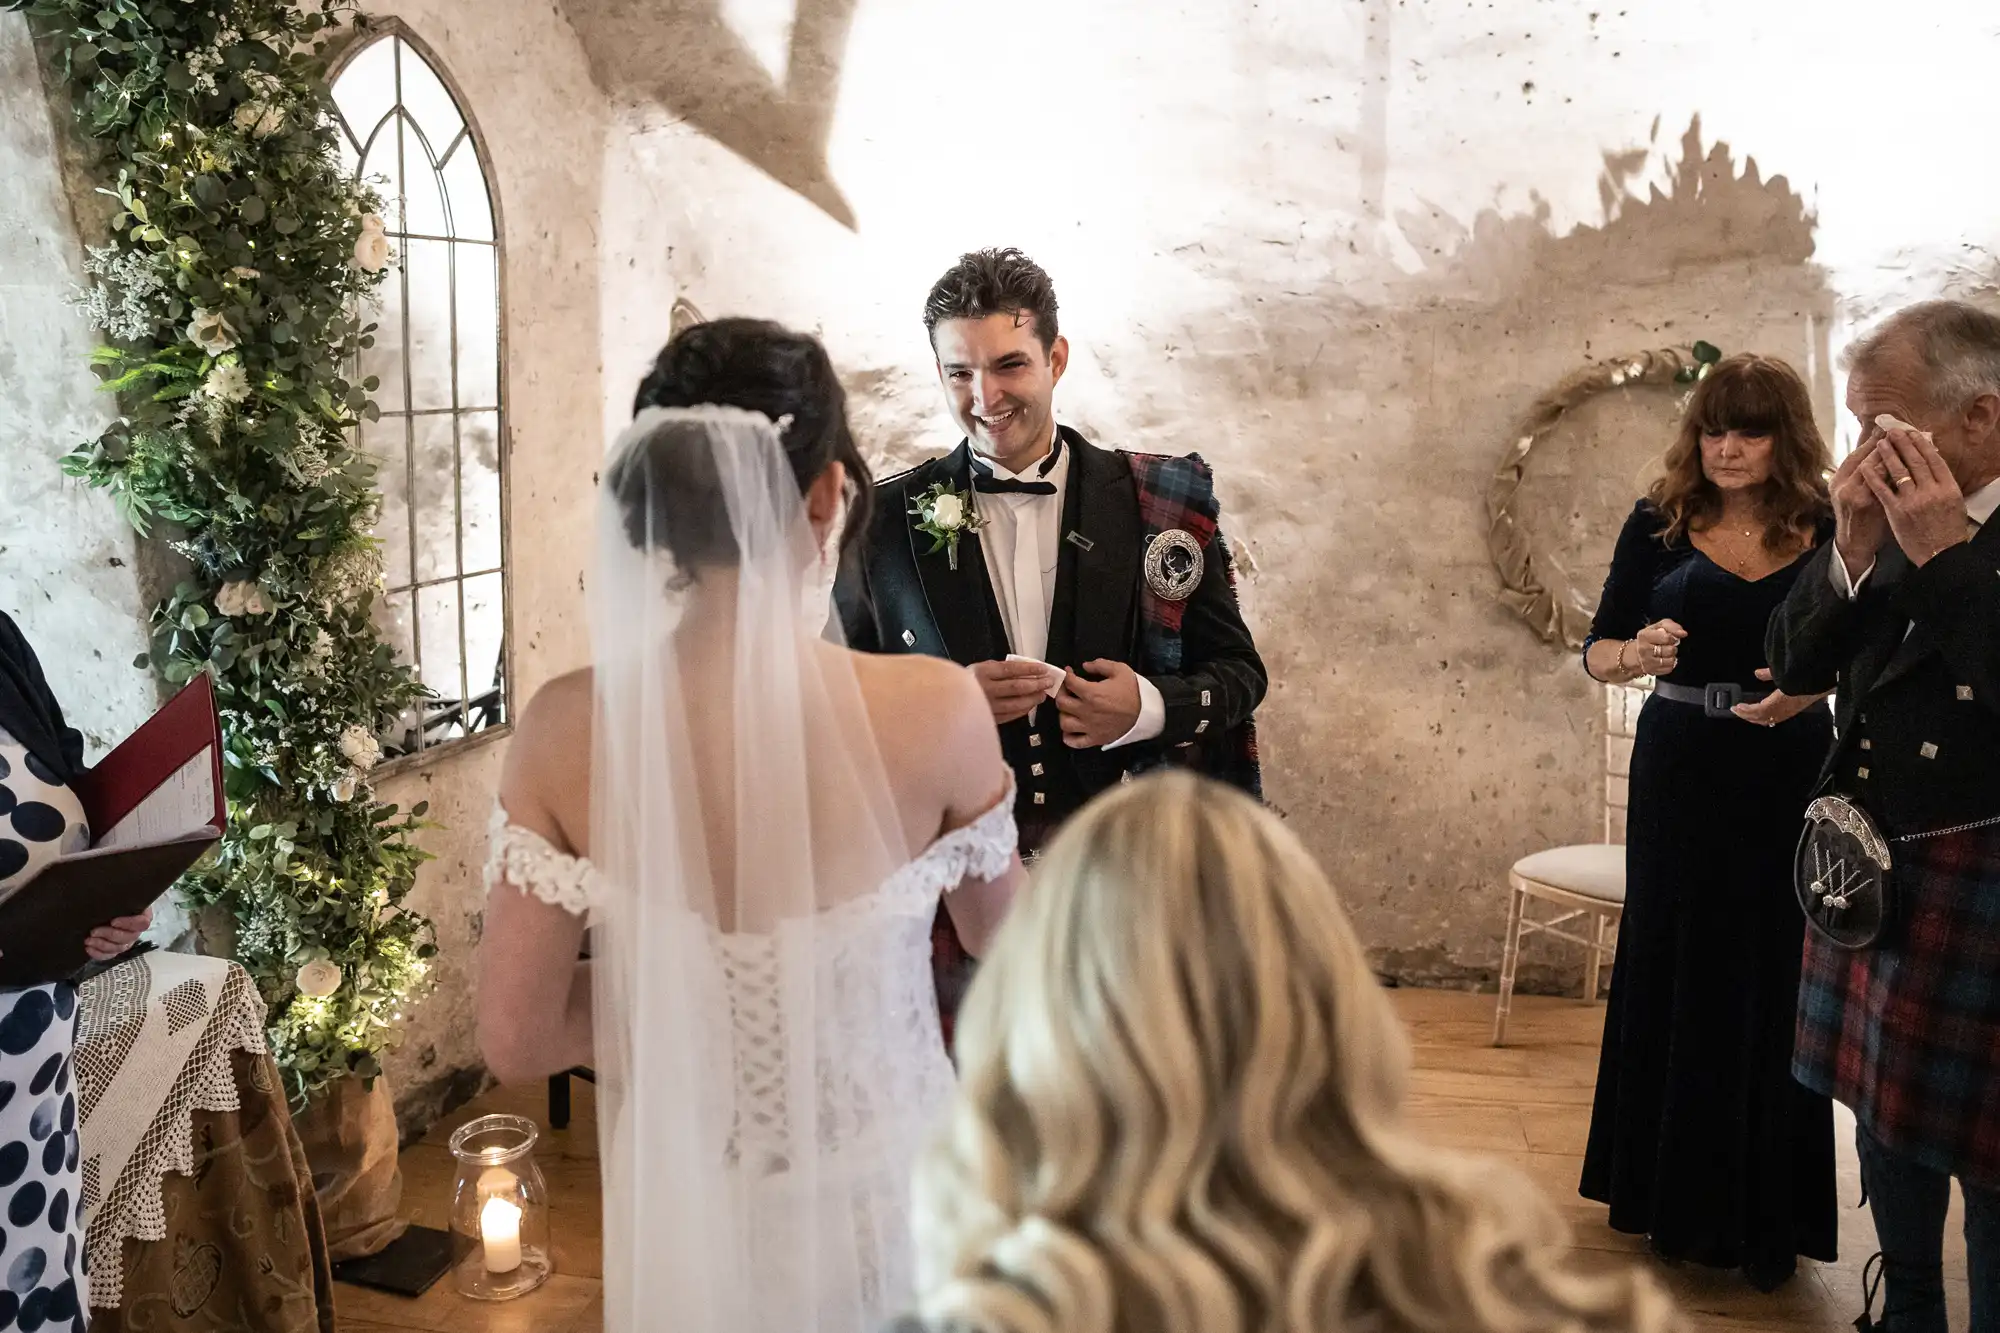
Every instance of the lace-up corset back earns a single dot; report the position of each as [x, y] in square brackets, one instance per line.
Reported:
[883, 1074]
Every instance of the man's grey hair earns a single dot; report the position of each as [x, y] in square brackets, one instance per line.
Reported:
[1958, 343]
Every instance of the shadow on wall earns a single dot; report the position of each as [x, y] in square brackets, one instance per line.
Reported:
[1719, 253]
[689, 60]
[1430, 737]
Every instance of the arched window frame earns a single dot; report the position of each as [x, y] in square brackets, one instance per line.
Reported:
[367, 35]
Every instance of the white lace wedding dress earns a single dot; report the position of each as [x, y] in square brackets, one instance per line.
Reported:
[882, 1078]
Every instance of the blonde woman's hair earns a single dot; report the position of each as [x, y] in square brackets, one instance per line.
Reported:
[1181, 1112]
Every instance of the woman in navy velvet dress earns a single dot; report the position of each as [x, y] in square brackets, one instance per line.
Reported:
[1700, 1139]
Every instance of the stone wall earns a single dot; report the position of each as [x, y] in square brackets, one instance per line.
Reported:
[69, 565]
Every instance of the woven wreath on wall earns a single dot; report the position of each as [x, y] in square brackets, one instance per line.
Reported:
[1530, 582]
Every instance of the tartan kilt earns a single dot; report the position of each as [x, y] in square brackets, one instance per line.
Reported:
[1907, 1033]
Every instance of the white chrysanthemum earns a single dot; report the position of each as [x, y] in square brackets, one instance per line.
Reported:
[228, 384]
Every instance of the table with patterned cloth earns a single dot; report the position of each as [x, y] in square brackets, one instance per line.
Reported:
[199, 1204]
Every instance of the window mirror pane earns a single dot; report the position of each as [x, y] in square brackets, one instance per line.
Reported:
[427, 284]
[429, 106]
[438, 443]
[479, 488]
[433, 468]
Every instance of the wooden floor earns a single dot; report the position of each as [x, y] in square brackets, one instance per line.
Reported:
[1528, 1104]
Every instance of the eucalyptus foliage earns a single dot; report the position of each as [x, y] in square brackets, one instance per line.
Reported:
[232, 292]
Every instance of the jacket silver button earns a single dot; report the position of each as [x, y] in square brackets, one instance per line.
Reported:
[1927, 750]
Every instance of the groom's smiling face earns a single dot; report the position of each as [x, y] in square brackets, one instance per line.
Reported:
[1001, 384]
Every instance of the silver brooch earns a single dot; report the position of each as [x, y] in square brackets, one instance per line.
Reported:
[1173, 565]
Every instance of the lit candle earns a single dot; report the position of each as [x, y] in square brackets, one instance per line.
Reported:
[500, 1233]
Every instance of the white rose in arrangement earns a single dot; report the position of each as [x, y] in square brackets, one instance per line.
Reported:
[241, 597]
[211, 332]
[319, 978]
[228, 384]
[360, 749]
[260, 120]
[371, 247]
[345, 786]
[948, 511]
[247, 274]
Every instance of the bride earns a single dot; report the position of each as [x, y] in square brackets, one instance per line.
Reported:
[757, 825]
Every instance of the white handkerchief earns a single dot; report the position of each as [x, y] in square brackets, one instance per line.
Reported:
[1887, 422]
[1052, 676]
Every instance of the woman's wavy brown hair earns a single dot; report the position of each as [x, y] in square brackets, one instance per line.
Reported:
[1181, 1111]
[1758, 395]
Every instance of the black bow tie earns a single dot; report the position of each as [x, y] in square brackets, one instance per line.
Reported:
[984, 481]
[987, 483]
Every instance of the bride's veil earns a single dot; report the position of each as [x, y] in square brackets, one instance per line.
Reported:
[737, 798]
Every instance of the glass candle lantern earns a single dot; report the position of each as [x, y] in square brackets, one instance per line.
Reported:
[499, 1209]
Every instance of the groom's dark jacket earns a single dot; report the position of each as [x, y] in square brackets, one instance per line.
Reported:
[896, 595]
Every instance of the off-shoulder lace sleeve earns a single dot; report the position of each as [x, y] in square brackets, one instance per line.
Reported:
[525, 859]
[983, 849]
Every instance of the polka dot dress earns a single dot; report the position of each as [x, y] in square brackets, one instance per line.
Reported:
[42, 1283]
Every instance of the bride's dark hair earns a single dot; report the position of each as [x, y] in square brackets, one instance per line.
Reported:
[747, 363]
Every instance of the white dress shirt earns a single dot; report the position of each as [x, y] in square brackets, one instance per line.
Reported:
[1021, 538]
[1979, 507]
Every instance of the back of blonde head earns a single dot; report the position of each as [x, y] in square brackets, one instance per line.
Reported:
[1180, 1112]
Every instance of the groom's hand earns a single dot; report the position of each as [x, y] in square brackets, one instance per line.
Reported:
[1098, 712]
[1012, 688]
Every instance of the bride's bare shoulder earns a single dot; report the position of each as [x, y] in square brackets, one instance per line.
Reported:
[544, 781]
[558, 708]
[920, 694]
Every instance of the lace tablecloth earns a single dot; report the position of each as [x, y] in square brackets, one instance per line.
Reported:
[155, 1047]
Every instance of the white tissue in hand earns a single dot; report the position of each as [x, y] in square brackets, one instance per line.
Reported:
[1052, 676]
[1887, 422]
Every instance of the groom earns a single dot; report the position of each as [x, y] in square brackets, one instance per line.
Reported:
[1030, 542]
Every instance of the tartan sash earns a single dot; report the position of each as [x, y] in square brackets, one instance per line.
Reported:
[1179, 493]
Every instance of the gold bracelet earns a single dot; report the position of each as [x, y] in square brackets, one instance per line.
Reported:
[1621, 656]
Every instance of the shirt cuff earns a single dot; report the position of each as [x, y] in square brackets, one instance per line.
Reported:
[1152, 716]
[1837, 574]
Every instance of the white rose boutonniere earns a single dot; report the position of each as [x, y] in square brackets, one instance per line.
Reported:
[360, 749]
[319, 978]
[241, 597]
[943, 514]
[211, 332]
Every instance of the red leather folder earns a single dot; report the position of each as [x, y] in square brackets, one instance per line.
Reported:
[155, 805]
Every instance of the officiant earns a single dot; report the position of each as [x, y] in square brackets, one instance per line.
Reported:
[41, 1182]
[1088, 589]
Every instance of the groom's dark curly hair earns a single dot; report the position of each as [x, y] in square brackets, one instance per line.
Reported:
[747, 363]
[994, 282]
